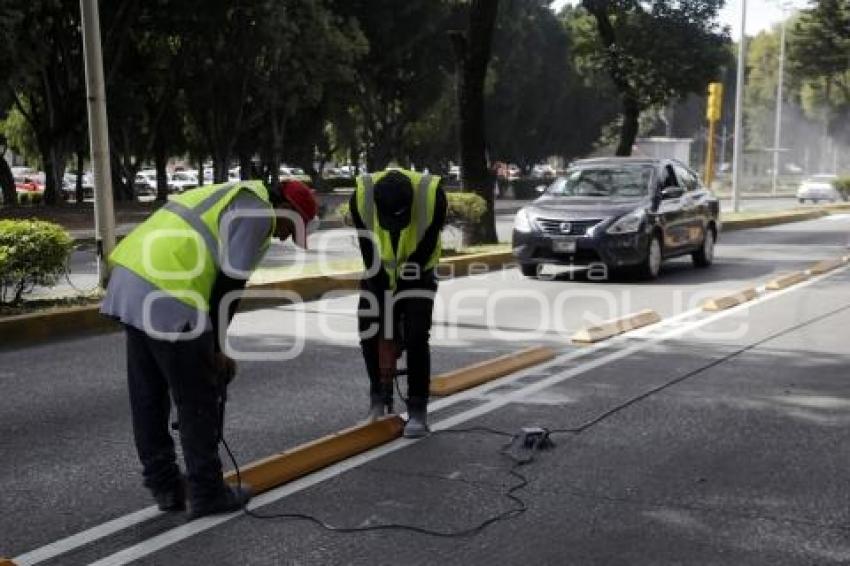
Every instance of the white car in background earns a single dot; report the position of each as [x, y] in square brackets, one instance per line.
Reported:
[145, 182]
[183, 180]
[818, 188]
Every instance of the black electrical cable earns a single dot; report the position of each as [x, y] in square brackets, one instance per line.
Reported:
[520, 506]
[518, 509]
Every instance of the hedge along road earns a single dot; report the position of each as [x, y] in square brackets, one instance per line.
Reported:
[68, 458]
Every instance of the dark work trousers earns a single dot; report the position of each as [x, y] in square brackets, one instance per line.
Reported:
[184, 371]
[412, 318]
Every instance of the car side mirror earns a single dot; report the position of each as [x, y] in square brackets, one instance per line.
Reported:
[671, 193]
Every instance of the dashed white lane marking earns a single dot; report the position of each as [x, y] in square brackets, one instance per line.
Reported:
[183, 532]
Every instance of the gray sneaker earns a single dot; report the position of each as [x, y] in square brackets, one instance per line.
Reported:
[377, 408]
[417, 423]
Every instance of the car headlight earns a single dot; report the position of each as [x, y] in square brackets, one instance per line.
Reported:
[522, 222]
[628, 224]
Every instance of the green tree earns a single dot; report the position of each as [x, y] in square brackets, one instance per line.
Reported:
[48, 81]
[655, 52]
[10, 19]
[307, 61]
[406, 71]
[537, 52]
[819, 49]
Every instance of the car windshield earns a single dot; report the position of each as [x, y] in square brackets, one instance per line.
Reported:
[621, 181]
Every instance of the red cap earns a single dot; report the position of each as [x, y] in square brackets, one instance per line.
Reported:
[302, 200]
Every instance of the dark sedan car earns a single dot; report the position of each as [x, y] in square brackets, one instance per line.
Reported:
[623, 213]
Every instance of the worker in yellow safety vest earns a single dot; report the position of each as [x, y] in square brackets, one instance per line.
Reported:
[172, 286]
[399, 215]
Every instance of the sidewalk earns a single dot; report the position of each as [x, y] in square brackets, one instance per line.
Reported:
[742, 461]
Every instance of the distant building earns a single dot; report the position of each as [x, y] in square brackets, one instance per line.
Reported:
[666, 148]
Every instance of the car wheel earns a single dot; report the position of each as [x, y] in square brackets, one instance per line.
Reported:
[651, 266]
[530, 269]
[705, 256]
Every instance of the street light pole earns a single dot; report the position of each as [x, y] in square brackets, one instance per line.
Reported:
[104, 219]
[777, 132]
[738, 147]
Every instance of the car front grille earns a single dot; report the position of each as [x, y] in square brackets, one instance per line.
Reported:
[566, 227]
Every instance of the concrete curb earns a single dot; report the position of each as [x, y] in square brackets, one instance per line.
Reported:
[787, 280]
[482, 372]
[765, 220]
[729, 301]
[35, 328]
[282, 468]
[25, 329]
[825, 266]
[615, 327]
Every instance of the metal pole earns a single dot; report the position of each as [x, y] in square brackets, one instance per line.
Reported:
[104, 218]
[738, 147]
[777, 132]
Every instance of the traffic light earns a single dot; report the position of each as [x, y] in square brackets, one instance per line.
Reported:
[715, 101]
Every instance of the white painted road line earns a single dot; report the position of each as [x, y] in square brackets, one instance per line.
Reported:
[83, 538]
[183, 532]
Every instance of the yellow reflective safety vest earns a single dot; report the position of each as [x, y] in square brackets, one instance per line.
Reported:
[421, 217]
[177, 249]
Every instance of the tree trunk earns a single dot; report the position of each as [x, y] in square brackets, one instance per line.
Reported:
[7, 182]
[473, 51]
[161, 164]
[246, 167]
[629, 129]
[79, 178]
[201, 172]
[220, 163]
[54, 169]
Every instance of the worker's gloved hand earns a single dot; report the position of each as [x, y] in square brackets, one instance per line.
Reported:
[225, 368]
[387, 357]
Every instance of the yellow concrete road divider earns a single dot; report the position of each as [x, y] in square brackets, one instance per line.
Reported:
[728, 301]
[269, 473]
[826, 266]
[307, 288]
[787, 280]
[482, 372]
[615, 327]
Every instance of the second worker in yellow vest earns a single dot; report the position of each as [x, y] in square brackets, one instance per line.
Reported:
[400, 215]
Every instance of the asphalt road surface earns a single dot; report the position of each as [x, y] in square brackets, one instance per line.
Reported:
[739, 457]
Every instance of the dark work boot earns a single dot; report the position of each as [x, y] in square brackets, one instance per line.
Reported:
[228, 500]
[417, 418]
[172, 498]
